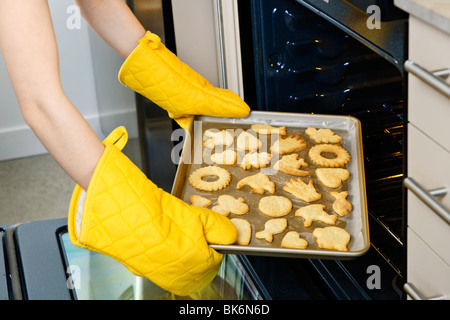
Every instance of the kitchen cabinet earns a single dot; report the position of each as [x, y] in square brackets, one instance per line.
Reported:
[428, 181]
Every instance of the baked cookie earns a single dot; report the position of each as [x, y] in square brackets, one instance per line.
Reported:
[315, 212]
[199, 201]
[258, 183]
[302, 190]
[217, 138]
[247, 141]
[268, 129]
[255, 160]
[196, 178]
[275, 206]
[244, 231]
[332, 238]
[228, 204]
[341, 156]
[290, 164]
[292, 240]
[227, 157]
[288, 145]
[323, 135]
[271, 227]
[341, 205]
[332, 177]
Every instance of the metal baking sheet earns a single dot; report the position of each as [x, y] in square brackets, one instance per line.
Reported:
[195, 156]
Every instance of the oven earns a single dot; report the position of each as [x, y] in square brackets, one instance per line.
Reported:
[340, 57]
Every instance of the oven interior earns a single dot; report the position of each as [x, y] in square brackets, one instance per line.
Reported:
[296, 61]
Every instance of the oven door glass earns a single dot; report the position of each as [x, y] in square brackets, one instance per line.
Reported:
[94, 276]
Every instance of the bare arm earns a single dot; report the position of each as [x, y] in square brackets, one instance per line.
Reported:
[114, 23]
[30, 52]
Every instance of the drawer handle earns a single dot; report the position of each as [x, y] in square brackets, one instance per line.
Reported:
[427, 197]
[415, 294]
[432, 78]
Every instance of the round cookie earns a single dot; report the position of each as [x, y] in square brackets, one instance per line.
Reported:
[275, 206]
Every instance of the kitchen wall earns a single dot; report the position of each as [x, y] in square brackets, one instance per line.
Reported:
[89, 76]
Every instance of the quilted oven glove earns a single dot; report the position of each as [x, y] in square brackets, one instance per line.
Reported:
[156, 73]
[154, 234]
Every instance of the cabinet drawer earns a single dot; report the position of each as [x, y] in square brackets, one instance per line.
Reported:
[428, 166]
[428, 108]
[426, 271]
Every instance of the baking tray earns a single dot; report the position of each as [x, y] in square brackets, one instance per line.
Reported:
[194, 156]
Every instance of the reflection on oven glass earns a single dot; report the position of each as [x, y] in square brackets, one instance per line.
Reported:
[98, 277]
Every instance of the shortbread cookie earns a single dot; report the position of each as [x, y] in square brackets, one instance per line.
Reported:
[341, 205]
[275, 206]
[218, 138]
[341, 158]
[288, 145]
[292, 240]
[301, 190]
[271, 227]
[323, 135]
[290, 164]
[228, 157]
[315, 212]
[258, 183]
[199, 201]
[332, 238]
[255, 160]
[268, 129]
[196, 178]
[244, 231]
[247, 141]
[332, 177]
[228, 204]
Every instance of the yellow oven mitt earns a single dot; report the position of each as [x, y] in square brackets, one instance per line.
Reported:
[156, 73]
[154, 234]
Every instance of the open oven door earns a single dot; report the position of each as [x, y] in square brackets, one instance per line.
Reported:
[45, 265]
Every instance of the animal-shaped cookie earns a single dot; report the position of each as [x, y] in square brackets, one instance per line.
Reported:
[341, 205]
[258, 183]
[199, 201]
[272, 227]
[244, 231]
[228, 204]
[332, 238]
[302, 190]
[217, 138]
[247, 141]
[268, 129]
[227, 157]
[315, 212]
[292, 240]
[255, 160]
[290, 164]
[332, 177]
[323, 135]
[288, 144]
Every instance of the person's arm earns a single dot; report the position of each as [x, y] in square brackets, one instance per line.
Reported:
[29, 49]
[114, 22]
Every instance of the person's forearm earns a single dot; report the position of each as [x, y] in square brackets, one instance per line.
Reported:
[114, 22]
[29, 49]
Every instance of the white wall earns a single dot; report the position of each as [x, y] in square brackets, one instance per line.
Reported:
[195, 35]
[89, 76]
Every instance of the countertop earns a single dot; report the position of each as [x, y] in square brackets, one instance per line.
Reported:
[434, 12]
